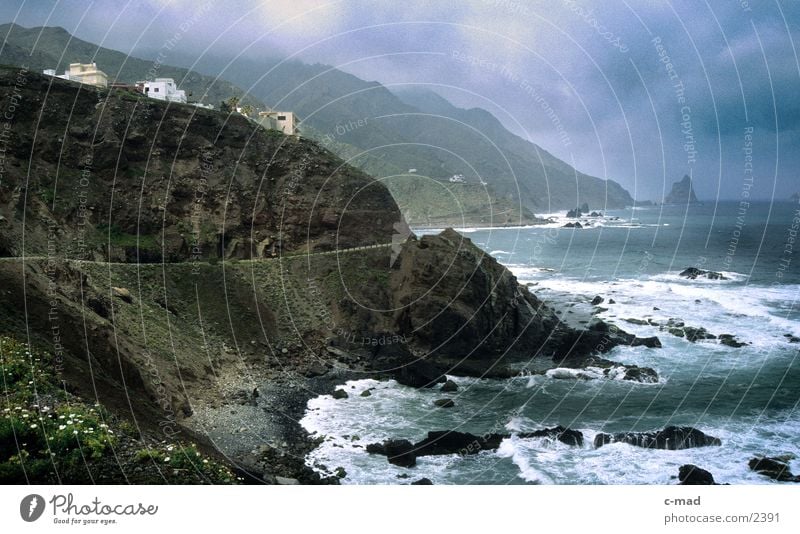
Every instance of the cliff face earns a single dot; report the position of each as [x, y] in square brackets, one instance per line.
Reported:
[120, 177]
[681, 193]
[463, 306]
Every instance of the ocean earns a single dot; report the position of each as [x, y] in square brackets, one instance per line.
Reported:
[747, 396]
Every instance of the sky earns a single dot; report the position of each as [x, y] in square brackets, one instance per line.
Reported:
[640, 91]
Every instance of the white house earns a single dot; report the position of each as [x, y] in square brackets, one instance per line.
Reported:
[163, 89]
[285, 121]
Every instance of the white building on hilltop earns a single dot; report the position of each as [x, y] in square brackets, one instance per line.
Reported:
[163, 89]
[284, 121]
[85, 73]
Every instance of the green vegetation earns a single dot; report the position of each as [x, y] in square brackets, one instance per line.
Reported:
[50, 436]
[427, 202]
[44, 433]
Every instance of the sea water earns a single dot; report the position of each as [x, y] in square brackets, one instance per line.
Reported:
[748, 396]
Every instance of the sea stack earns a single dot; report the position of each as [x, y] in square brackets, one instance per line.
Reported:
[682, 192]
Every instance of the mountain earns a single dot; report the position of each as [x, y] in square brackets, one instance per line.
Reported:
[682, 192]
[423, 131]
[55, 48]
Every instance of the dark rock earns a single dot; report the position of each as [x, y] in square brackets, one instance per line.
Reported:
[676, 332]
[574, 214]
[612, 301]
[422, 482]
[444, 403]
[730, 340]
[562, 434]
[400, 452]
[644, 375]
[682, 192]
[100, 306]
[315, 369]
[419, 374]
[671, 438]
[493, 323]
[651, 342]
[695, 334]
[573, 225]
[774, 468]
[376, 448]
[366, 393]
[453, 442]
[584, 207]
[340, 394]
[636, 321]
[449, 387]
[792, 338]
[691, 475]
[693, 272]
[597, 300]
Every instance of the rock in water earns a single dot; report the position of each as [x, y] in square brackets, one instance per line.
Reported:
[691, 475]
[339, 394]
[400, 452]
[444, 403]
[682, 192]
[422, 482]
[597, 300]
[651, 342]
[730, 341]
[774, 468]
[449, 387]
[671, 438]
[562, 434]
[693, 272]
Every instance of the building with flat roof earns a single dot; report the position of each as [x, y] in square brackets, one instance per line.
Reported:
[285, 121]
[85, 73]
[163, 89]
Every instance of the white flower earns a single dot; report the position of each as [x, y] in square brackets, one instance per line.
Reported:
[34, 425]
[166, 459]
[62, 427]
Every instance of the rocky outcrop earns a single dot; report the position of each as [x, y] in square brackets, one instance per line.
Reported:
[775, 468]
[682, 192]
[691, 475]
[671, 438]
[403, 453]
[692, 273]
[464, 308]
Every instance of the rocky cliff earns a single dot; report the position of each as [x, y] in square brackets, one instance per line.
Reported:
[682, 192]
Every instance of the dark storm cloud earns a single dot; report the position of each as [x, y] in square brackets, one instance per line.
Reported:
[595, 65]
